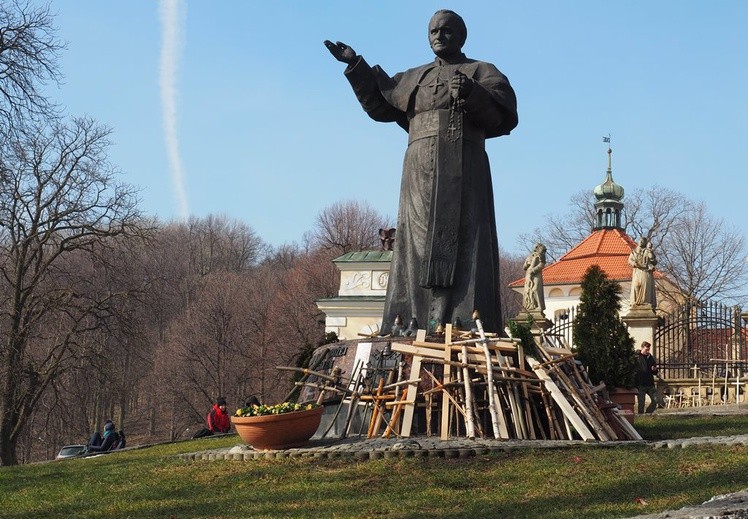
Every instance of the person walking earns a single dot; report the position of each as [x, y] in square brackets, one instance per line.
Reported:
[645, 378]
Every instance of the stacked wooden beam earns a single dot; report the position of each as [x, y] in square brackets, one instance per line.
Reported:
[578, 404]
[456, 369]
[480, 385]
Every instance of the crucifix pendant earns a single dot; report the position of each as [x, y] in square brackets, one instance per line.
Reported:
[436, 84]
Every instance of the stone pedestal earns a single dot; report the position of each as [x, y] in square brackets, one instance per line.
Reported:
[642, 322]
[538, 319]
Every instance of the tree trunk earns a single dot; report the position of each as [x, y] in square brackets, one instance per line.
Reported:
[152, 419]
[8, 442]
[8, 414]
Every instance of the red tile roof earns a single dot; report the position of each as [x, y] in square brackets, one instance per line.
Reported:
[608, 248]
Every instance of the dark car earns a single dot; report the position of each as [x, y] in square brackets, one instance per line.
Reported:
[71, 451]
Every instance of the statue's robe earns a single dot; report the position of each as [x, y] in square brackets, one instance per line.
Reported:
[642, 279]
[533, 298]
[446, 260]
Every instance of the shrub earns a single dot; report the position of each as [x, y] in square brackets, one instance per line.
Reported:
[602, 339]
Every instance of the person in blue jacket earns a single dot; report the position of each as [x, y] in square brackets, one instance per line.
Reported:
[99, 443]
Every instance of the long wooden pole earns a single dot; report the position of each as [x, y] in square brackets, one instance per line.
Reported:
[446, 379]
[395, 415]
[374, 423]
[492, 404]
[469, 411]
[415, 376]
[355, 396]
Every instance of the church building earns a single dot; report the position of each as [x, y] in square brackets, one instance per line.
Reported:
[607, 246]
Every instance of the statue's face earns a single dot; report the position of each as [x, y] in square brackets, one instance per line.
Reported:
[445, 36]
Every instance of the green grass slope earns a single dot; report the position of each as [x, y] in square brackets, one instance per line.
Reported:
[584, 482]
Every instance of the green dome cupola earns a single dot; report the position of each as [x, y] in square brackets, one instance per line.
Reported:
[608, 204]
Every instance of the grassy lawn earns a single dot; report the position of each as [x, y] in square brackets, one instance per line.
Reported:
[565, 483]
[664, 426]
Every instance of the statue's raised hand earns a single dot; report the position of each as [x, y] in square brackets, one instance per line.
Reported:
[341, 52]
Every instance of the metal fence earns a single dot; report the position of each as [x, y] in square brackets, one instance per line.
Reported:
[563, 326]
[702, 340]
[698, 340]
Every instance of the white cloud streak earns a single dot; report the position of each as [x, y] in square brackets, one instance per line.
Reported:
[171, 13]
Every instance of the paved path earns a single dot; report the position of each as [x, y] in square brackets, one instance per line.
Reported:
[378, 448]
[728, 506]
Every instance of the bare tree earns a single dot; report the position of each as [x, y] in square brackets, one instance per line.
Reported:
[180, 264]
[649, 212]
[217, 243]
[205, 341]
[348, 226]
[28, 59]
[561, 232]
[510, 269]
[704, 257]
[653, 212]
[311, 277]
[225, 343]
[60, 198]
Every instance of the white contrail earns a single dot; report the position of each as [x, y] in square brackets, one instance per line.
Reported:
[171, 26]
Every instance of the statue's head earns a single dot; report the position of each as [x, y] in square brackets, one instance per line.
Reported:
[540, 250]
[447, 33]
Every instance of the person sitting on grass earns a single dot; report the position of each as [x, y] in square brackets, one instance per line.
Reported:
[109, 441]
[217, 421]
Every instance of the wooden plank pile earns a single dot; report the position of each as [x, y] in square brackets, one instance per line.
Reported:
[578, 403]
[479, 385]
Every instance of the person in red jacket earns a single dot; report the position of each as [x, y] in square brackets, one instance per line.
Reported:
[218, 419]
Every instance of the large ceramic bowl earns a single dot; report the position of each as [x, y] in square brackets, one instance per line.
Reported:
[278, 431]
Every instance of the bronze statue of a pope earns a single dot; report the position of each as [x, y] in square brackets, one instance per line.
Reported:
[446, 261]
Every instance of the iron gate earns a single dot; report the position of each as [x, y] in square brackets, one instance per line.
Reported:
[564, 325]
[701, 339]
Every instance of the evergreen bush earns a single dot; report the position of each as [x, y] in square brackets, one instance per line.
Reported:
[603, 342]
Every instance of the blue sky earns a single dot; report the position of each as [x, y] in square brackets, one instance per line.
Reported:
[268, 132]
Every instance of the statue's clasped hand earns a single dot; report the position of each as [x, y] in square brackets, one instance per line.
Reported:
[341, 52]
[460, 86]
